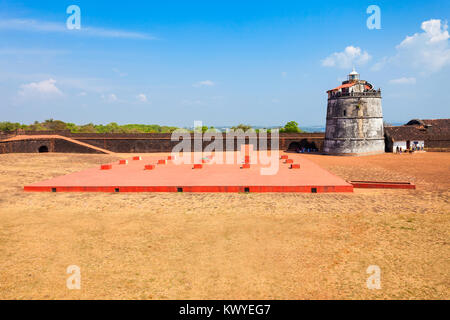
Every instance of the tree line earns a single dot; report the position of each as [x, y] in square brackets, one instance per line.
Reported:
[58, 125]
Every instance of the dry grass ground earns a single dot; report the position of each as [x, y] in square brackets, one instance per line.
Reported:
[228, 246]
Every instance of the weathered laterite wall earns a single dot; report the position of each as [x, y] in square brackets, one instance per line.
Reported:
[51, 145]
[142, 143]
[437, 144]
[26, 146]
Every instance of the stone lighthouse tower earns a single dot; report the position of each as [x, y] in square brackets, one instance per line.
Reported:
[354, 119]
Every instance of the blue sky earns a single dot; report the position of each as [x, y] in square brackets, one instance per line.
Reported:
[221, 62]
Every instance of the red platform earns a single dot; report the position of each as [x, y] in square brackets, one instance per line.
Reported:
[211, 178]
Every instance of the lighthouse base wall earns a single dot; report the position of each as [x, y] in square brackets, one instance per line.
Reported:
[357, 147]
[355, 125]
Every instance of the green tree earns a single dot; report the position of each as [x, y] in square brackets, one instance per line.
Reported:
[54, 125]
[51, 124]
[291, 127]
[9, 126]
[212, 129]
[243, 127]
[202, 129]
[87, 128]
[72, 127]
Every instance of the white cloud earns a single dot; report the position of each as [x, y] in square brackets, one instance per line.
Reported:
[205, 83]
[105, 33]
[44, 26]
[142, 97]
[31, 25]
[434, 32]
[346, 59]
[42, 89]
[427, 51]
[110, 98]
[403, 80]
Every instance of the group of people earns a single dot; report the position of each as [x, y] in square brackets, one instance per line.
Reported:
[412, 149]
[306, 150]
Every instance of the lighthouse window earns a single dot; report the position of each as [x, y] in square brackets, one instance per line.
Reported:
[345, 113]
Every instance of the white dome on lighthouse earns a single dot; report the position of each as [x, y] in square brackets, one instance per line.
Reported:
[353, 76]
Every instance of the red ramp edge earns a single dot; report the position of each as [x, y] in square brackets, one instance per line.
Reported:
[44, 137]
[382, 185]
[195, 189]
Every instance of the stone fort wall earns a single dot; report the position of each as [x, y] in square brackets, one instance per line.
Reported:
[140, 143]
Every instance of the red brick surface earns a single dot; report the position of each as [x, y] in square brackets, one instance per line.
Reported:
[212, 178]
